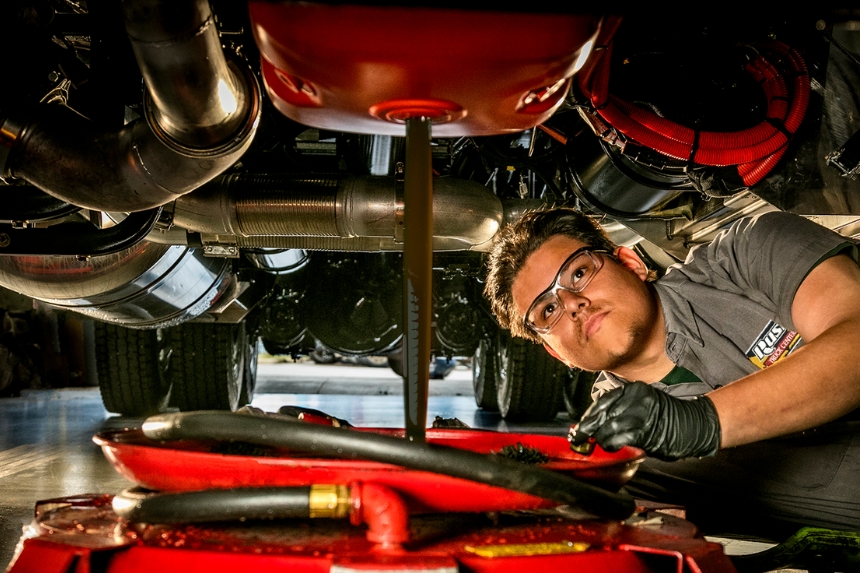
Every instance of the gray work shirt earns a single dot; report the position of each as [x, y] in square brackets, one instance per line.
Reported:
[727, 308]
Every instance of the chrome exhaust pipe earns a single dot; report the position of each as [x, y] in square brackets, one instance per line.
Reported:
[144, 286]
[355, 213]
[201, 114]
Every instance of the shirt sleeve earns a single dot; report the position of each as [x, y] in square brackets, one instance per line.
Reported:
[605, 382]
[766, 258]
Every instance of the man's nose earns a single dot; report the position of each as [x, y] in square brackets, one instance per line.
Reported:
[572, 302]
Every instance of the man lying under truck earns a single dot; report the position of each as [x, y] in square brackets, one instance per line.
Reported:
[739, 366]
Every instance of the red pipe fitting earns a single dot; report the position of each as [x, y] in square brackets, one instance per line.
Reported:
[384, 512]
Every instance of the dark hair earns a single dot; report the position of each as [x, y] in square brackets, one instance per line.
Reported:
[519, 240]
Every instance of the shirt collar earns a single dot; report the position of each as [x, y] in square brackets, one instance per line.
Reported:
[680, 320]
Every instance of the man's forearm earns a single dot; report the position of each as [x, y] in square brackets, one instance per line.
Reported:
[818, 383]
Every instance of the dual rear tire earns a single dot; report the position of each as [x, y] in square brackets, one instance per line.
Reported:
[130, 366]
[193, 366]
[523, 382]
[210, 366]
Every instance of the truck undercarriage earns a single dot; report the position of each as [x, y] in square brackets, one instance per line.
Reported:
[196, 178]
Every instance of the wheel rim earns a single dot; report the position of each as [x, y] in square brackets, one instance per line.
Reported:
[237, 368]
[478, 371]
[484, 376]
[249, 372]
[503, 385]
[164, 355]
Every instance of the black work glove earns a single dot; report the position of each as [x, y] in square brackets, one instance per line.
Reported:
[642, 416]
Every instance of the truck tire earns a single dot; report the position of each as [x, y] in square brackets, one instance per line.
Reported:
[249, 378]
[373, 361]
[529, 381]
[484, 375]
[130, 370]
[322, 355]
[207, 367]
[577, 393]
[395, 362]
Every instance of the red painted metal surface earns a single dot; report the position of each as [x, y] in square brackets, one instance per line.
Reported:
[646, 542]
[186, 466]
[366, 69]
[84, 535]
[45, 557]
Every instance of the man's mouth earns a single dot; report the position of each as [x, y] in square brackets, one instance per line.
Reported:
[592, 324]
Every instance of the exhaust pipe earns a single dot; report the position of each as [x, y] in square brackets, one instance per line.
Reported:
[201, 113]
[335, 213]
[144, 286]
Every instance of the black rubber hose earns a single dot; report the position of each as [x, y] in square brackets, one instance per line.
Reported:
[213, 505]
[79, 238]
[348, 444]
[28, 203]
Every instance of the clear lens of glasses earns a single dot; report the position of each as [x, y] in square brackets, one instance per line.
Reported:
[574, 276]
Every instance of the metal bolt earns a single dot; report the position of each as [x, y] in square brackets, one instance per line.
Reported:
[4, 240]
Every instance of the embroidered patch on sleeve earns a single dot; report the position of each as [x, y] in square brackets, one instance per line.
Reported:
[774, 342]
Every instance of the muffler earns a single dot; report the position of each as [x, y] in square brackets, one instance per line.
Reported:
[145, 286]
[335, 213]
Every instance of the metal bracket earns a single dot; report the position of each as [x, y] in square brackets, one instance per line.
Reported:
[847, 158]
[399, 179]
[227, 251]
[225, 246]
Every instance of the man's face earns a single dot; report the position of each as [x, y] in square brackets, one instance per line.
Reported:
[606, 325]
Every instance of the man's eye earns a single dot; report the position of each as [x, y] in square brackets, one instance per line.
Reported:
[578, 274]
[548, 310]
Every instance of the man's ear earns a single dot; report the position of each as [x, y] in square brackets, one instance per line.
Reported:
[631, 260]
[555, 354]
[552, 352]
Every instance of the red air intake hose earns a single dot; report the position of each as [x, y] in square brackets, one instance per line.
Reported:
[755, 150]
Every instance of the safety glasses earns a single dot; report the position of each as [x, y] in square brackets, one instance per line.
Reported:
[574, 275]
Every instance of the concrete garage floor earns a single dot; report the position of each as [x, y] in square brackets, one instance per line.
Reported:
[46, 449]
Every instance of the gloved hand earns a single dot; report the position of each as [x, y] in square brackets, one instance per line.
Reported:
[642, 416]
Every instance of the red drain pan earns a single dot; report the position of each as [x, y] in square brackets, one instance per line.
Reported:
[191, 466]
